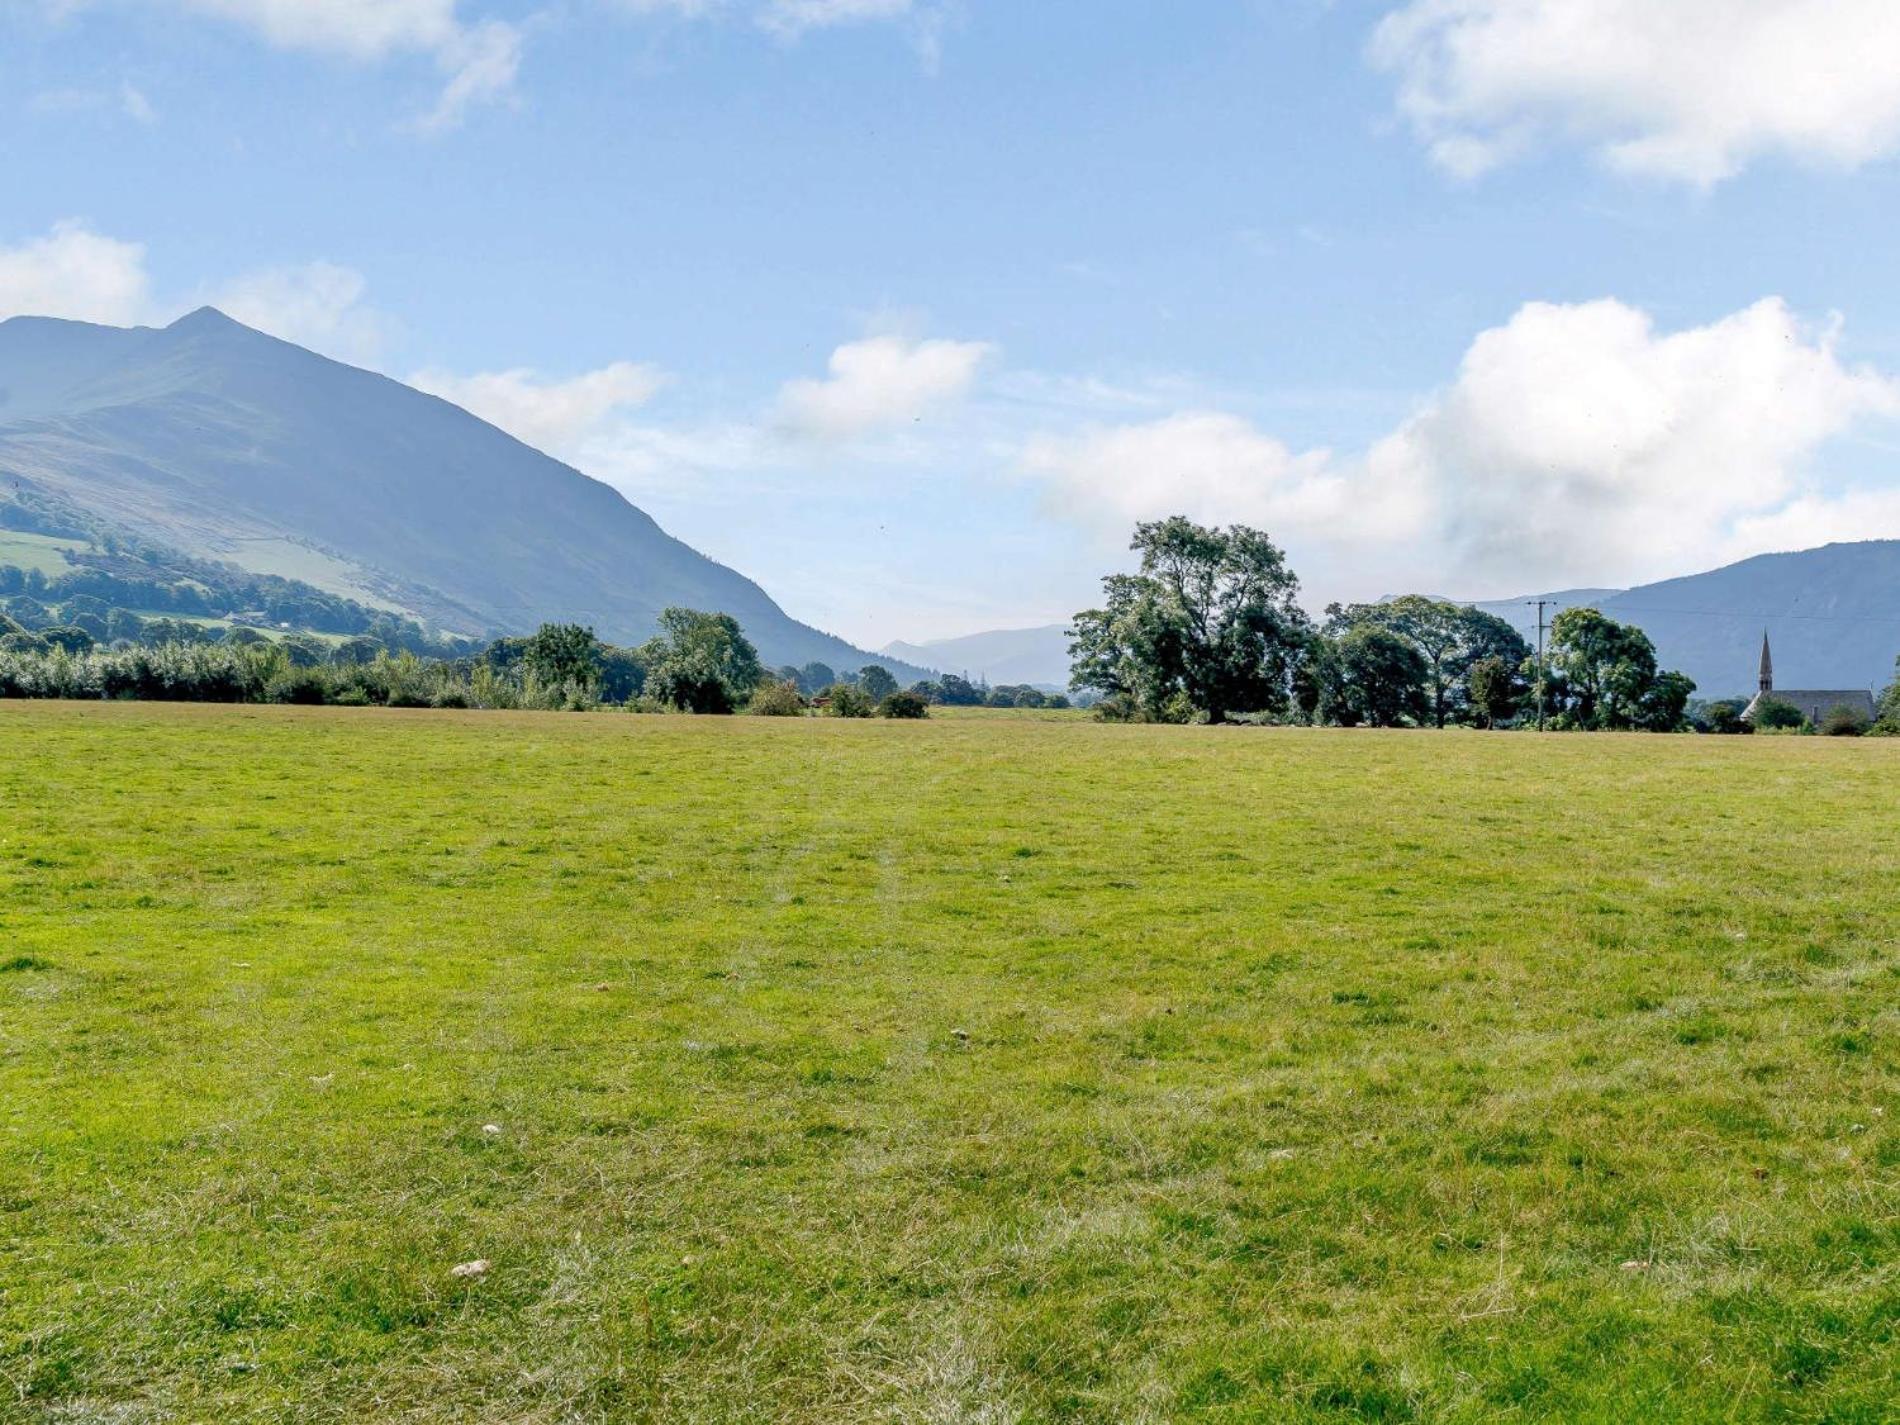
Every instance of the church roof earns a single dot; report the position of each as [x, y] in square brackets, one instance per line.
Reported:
[1816, 703]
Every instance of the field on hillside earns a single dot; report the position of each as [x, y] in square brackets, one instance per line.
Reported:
[986, 1068]
[43, 552]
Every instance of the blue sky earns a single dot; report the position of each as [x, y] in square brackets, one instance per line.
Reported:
[910, 309]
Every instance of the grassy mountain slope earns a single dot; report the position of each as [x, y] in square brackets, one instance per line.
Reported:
[232, 445]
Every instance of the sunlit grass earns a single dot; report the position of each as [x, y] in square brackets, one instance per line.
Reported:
[985, 1068]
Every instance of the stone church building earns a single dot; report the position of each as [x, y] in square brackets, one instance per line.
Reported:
[1814, 704]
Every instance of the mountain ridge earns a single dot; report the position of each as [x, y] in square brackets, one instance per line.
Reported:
[235, 445]
[1832, 614]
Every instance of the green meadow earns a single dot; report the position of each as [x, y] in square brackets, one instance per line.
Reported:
[988, 1068]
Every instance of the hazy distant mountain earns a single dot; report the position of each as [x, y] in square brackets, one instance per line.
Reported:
[232, 445]
[1013, 655]
[1833, 615]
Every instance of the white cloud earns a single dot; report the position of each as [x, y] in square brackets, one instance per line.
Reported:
[882, 381]
[563, 418]
[480, 59]
[794, 17]
[319, 305]
[1689, 90]
[75, 273]
[135, 106]
[481, 63]
[1576, 445]
[361, 29]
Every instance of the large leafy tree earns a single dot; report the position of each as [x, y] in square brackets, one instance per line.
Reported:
[1493, 690]
[1449, 637]
[1209, 626]
[701, 662]
[877, 682]
[564, 654]
[1379, 678]
[1607, 679]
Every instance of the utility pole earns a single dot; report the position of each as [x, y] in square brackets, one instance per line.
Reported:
[1541, 604]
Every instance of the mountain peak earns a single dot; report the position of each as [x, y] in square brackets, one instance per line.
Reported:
[206, 319]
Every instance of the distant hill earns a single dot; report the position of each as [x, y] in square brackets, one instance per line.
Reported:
[1038, 656]
[1833, 615]
[231, 445]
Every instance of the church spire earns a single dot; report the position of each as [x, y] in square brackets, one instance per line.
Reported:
[1767, 665]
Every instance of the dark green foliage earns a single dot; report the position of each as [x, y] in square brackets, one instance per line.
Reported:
[1450, 639]
[1773, 715]
[1210, 627]
[623, 677]
[845, 700]
[1603, 677]
[814, 678]
[1379, 678]
[903, 705]
[65, 636]
[955, 692]
[1843, 721]
[1724, 718]
[877, 683]
[701, 662]
[1493, 690]
[564, 655]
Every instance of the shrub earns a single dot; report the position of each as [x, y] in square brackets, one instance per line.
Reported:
[903, 705]
[351, 697]
[1843, 721]
[451, 698]
[1725, 718]
[303, 686]
[844, 700]
[777, 699]
[1773, 715]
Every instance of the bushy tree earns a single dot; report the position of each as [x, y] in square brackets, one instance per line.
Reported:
[1724, 718]
[1774, 715]
[1843, 720]
[777, 698]
[1605, 676]
[815, 677]
[67, 637]
[701, 662]
[1378, 678]
[1210, 625]
[846, 700]
[955, 692]
[565, 655]
[1493, 690]
[1450, 639]
[903, 706]
[877, 682]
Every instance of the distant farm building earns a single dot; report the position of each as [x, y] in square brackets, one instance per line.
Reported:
[1812, 703]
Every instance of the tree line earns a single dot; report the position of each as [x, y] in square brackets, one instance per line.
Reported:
[698, 662]
[1210, 630]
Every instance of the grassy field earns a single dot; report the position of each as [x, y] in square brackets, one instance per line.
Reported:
[43, 552]
[984, 1069]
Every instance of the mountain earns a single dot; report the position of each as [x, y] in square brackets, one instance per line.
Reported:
[1015, 655]
[1832, 614]
[228, 444]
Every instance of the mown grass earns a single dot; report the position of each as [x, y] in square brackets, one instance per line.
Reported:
[980, 1069]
